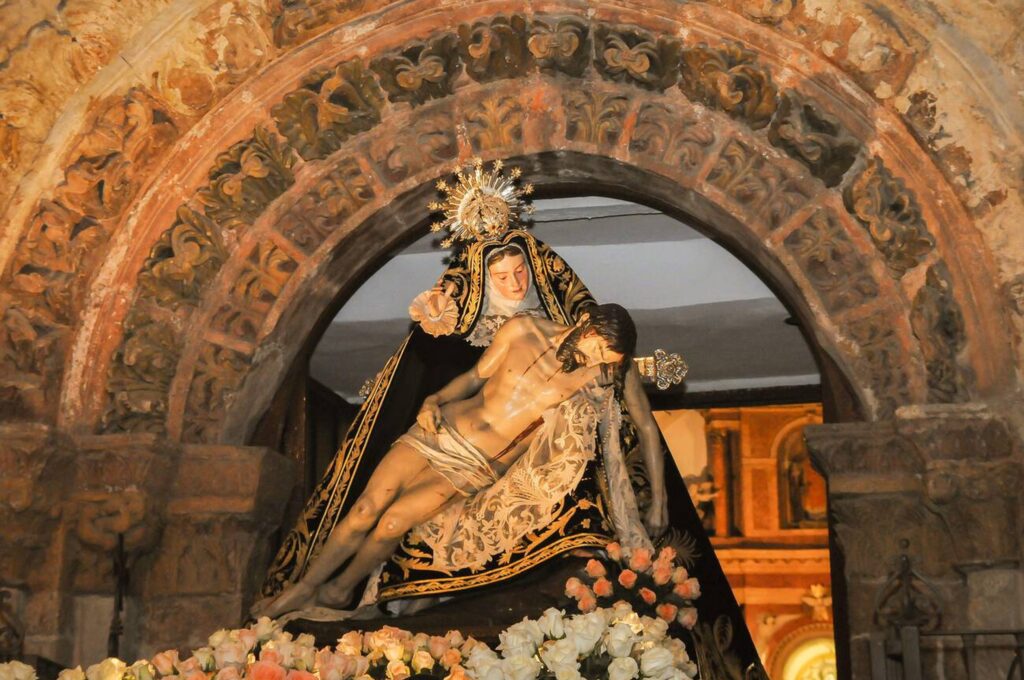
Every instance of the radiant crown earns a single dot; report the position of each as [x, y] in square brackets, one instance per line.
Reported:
[480, 204]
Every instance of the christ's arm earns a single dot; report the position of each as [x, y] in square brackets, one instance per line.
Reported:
[650, 447]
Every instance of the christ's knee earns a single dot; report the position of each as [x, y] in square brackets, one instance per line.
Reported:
[391, 527]
[363, 515]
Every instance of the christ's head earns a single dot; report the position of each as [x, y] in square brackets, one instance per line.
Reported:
[509, 272]
[606, 334]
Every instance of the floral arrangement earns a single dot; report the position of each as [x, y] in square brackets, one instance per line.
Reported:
[625, 640]
[652, 586]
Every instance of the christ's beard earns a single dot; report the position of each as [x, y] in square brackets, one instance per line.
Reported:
[568, 353]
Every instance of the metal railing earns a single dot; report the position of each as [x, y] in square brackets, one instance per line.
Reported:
[901, 657]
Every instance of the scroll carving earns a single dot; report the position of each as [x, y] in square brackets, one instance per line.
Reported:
[560, 45]
[183, 261]
[297, 20]
[890, 213]
[218, 372]
[813, 138]
[678, 139]
[246, 178]
[331, 105]
[831, 262]
[429, 140]
[495, 49]
[637, 57]
[594, 117]
[882, 351]
[496, 123]
[729, 79]
[334, 198]
[141, 376]
[421, 71]
[938, 325]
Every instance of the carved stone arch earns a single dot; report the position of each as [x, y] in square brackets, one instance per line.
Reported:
[816, 185]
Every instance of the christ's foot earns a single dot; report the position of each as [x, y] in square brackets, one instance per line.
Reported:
[330, 595]
[295, 596]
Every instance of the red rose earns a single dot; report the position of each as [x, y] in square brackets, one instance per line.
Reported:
[648, 595]
[627, 579]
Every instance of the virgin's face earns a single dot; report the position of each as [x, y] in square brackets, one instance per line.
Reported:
[511, 276]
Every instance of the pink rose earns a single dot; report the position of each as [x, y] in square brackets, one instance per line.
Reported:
[165, 662]
[688, 589]
[266, 670]
[437, 646]
[614, 551]
[189, 665]
[595, 569]
[648, 595]
[627, 579]
[451, 658]
[679, 575]
[603, 587]
[687, 617]
[640, 560]
[668, 553]
[587, 603]
[667, 611]
[662, 574]
[573, 586]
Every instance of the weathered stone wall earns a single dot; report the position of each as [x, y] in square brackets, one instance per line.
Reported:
[189, 186]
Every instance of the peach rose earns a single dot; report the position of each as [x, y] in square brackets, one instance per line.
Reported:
[648, 595]
[662, 574]
[451, 658]
[271, 655]
[229, 673]
[197, 675]
[688, 589]
[667, 611]
[668, 553]
[397, 670]
[588, 603]
[351, 643]
[296, 674]
[164, 662]
[603, 587]
[679, 574]
[573, 586]
[614, 551]
[266, 670]
[456, 673]
[687, 617]
[595, 569]
[189, 665]
[437, 646]
[627, 579]
[640, 559]
[455, 638]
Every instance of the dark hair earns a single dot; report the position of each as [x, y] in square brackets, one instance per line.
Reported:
[613, 323]
[500, 254]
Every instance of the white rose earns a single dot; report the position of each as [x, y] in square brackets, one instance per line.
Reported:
[422, 661]
[16, 670]
[568, 673]
[229, 653]
[520, 667]
[204, 655]
[520, 640]
[550, 623]
[586, 630]
[482, 663]
[670, 673]
[75, 673]
[264, 628]
[143, 670]
[623, 668]
[108, 669]
[304, 658]
[220, 637]
[654, 661]
[560, 654]
[306, 640]
[654, 628]
[620, 640]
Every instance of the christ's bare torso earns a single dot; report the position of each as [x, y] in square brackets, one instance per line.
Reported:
[523, 378]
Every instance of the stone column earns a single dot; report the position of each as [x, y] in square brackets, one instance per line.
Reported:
[937, 484]
[719, 464]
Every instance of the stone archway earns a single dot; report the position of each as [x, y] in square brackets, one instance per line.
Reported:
[197, 278]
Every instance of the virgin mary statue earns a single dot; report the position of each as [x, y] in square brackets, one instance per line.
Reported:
[488, 281]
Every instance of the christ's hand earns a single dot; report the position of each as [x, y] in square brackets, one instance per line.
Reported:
[429, 416]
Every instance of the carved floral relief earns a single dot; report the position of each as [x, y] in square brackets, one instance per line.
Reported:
[729, 79]
[637, 57]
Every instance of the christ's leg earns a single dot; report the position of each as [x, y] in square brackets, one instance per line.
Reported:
[401, 464]
[424, 497]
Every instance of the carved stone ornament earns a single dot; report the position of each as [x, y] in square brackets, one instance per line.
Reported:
[420, 71]
[495, 49]
[831, 262]
[594, 117]
[939, 326]
[332, 105]
[334, 198]
[218, 372]
[560, 45]
[634, 56]
[729, 79]
[184, 261]
[815, 139]
[907, 598]
[677, 139]
[890, 213]
[885, 360]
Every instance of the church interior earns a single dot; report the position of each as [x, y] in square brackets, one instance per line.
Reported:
[216, 214]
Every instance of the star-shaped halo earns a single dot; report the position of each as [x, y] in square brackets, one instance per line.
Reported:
[480, 204]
